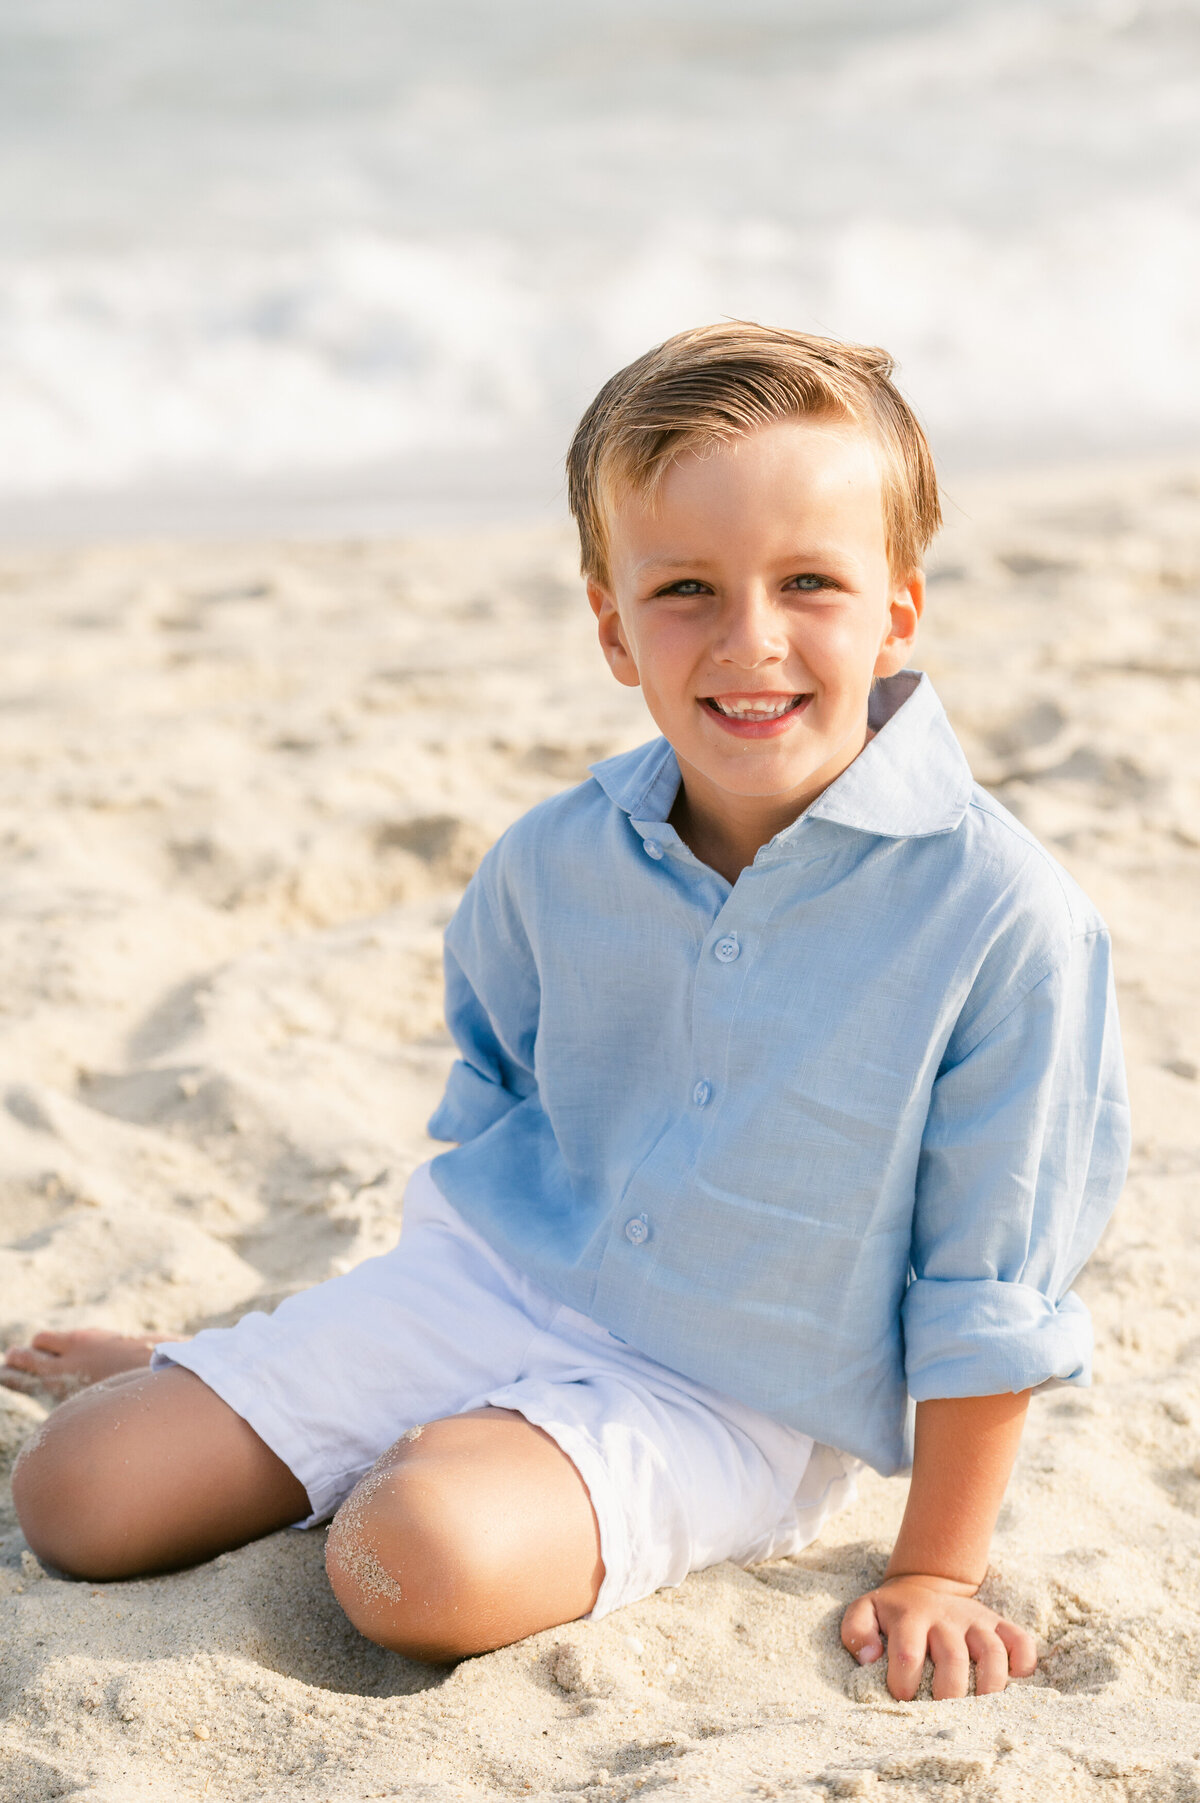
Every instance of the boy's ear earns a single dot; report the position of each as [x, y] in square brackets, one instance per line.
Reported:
[905, 607]
[611, 634]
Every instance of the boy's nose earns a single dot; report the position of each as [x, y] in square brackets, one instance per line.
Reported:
[751, 632]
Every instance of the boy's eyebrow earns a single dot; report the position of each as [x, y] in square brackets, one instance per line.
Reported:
[798, 559]
[673, 563]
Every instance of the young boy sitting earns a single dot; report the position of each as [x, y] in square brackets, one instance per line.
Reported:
[790, 1090]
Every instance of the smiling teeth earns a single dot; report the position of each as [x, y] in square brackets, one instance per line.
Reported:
[755, 710]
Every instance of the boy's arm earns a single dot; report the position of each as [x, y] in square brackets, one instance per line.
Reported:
[492, 1000]
[965, 1447]
[1022, 1158]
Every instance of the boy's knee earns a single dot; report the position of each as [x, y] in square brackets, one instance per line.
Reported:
[408, 1566]
[70, 1501]
[49, 1485]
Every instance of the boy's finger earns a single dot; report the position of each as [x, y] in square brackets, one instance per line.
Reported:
[1021, 1647]
[951, 1667]
[906, 1661]
[860, 1631]
[991, 1660]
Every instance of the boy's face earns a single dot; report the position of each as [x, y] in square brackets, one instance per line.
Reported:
[753, 604]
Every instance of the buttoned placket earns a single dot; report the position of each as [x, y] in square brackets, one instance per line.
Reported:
[726, 948]
[717, 980]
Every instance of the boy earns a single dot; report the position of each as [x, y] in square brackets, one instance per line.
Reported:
[789, 1090]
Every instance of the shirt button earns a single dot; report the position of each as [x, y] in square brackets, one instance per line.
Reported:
[727, 949]
[637, 1231]
[652, 848]
[702, 1094]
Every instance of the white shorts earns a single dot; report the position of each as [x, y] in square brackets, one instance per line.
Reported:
[679, 1476]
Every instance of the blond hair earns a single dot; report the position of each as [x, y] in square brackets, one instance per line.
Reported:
[719, 382]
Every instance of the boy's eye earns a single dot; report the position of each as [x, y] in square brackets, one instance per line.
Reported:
[687, 585]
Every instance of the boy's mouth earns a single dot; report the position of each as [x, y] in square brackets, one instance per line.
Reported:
[755, 716]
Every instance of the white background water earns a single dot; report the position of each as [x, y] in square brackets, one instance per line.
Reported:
[363, 262]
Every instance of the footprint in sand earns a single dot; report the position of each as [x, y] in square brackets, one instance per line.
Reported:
[1030, 729]
[448, 846]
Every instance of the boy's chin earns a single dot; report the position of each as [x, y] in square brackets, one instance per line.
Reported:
[740, 781]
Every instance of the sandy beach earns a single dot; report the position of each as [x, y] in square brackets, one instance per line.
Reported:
[241, 787]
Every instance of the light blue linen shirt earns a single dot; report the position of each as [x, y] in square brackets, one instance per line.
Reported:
[840, 1134]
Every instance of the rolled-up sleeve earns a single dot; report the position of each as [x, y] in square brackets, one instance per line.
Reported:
[492, 997]
[1022, 1160]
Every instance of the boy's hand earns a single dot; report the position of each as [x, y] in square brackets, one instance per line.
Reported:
[962, 1457]
[942, 1618]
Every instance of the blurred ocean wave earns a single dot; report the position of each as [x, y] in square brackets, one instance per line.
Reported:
[244, 248]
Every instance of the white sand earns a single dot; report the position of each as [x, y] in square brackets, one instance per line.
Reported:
[241, 790]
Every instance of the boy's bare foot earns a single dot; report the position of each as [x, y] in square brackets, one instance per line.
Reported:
[65, 1362]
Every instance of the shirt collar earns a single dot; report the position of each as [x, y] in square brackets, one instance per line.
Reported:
[910, 781]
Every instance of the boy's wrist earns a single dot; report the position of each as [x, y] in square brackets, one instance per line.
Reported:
[931, 1581]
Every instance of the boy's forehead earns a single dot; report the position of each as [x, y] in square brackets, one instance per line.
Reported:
[803, 475]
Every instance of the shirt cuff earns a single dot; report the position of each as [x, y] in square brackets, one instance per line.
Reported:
[978, 1337]
[470, 1105]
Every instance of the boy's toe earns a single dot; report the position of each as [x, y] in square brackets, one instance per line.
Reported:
[42, 1366]
[65, 1362]
[13, 1378]
[29, 1371]
[49, 1340]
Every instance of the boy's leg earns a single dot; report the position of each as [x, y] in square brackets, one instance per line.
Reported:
[147, 1472]
[468, 1534]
